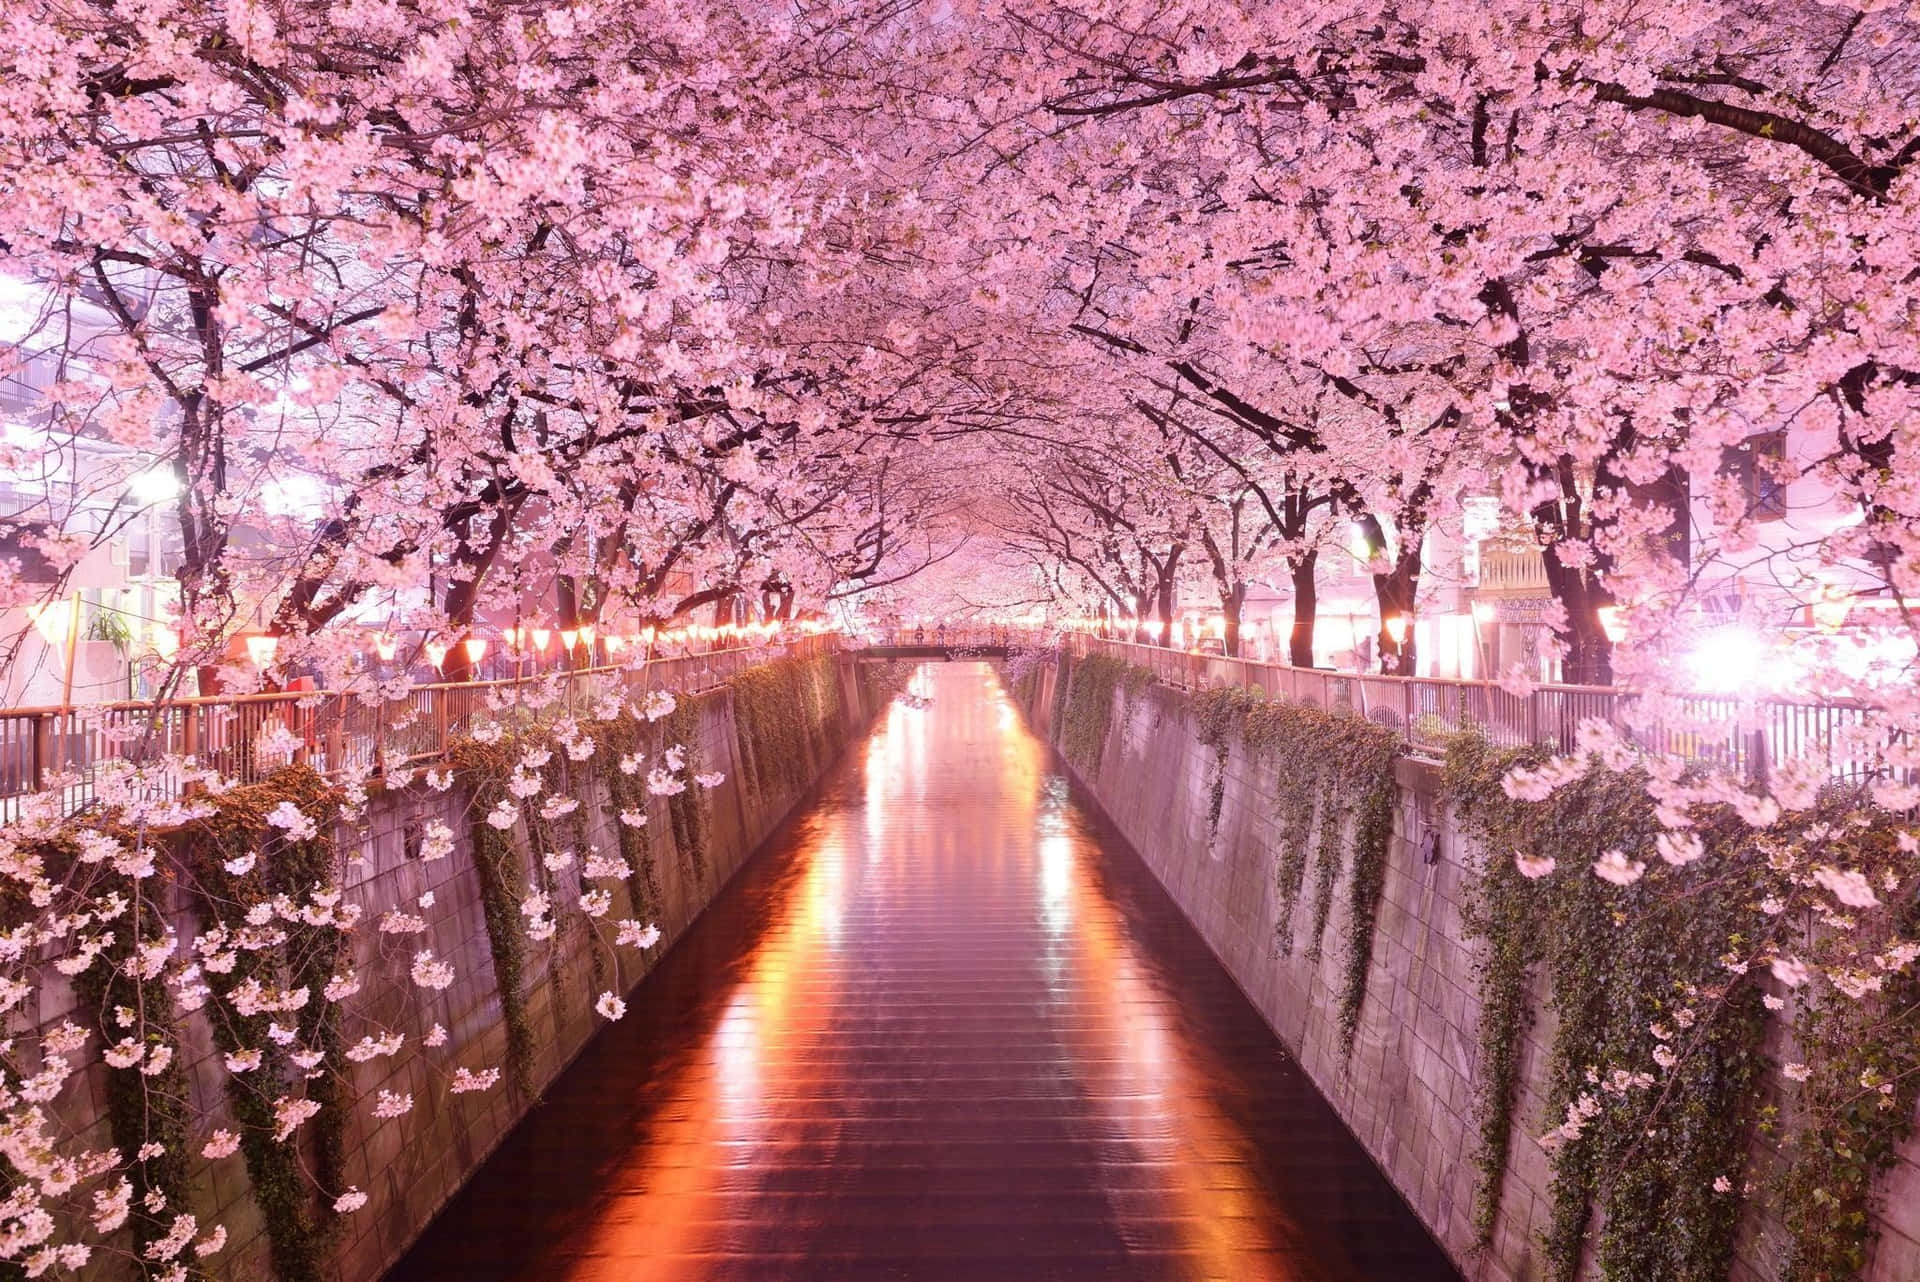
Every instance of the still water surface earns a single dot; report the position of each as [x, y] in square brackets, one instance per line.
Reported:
[946, 1026]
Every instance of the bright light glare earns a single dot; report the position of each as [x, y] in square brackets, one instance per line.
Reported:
[52, 620]
[1728, 659]
[155, 485]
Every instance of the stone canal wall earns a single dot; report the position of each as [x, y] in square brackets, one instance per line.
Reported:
[1407, 1088]
[411, 1165]
[774, 731]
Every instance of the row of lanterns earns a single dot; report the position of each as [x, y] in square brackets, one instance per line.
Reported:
[262, 648]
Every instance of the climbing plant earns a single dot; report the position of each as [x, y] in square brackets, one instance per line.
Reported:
[1657, 1064]
[1091, 684]
[1338, 766]
[782, 711]
[236, 857]
[687, 809]
[501, 871]
[625, 740]
[147, 1110]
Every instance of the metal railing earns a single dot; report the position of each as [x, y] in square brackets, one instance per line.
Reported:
[1727, 732]
[332, 731]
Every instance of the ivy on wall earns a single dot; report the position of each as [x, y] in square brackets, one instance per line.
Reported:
[1338, 767]
[786, 716]
[142, 1107]
[687, 810]
[299, 1227]
[501, 871]
[238, 854]
[621, 738]
[1341, 768]
[784, 712]
[1666, 1151]
[1657, 1070]
[1090, 685]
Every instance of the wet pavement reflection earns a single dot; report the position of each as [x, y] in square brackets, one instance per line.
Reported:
[946, 1026]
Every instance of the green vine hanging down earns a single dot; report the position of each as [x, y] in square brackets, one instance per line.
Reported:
[1090, 685]
[144, 1108]
[786, 713]
[501, 871]
[238, 857]
[622, 738]
[1339, 766]
[1657, 1064]
[687, 810]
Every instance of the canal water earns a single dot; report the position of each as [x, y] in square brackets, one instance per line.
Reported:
[946, 1026]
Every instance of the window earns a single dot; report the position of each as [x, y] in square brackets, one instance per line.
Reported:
[1758, 465]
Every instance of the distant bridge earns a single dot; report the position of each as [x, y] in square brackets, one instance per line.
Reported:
[940, 643]
[947, 652]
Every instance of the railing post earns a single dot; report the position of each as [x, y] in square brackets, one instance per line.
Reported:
[337, 740]
[190, 730]
[41, 747]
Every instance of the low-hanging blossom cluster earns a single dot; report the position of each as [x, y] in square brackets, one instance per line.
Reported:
[78, 1200]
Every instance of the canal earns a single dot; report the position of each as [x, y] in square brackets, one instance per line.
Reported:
[946, 1025]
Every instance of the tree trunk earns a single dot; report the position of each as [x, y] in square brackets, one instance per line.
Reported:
[1589, 660]
[1395, 592]
[1232, 603]
[1306, 606]
[1163, 605]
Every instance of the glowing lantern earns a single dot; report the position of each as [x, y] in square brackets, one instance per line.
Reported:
[476, 648]
[540, 637]
[436, 652]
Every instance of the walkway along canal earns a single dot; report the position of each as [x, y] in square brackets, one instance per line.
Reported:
[946, 1025]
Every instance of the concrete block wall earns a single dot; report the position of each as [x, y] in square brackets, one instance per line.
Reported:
[1407, 1090]
[409, 1166]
